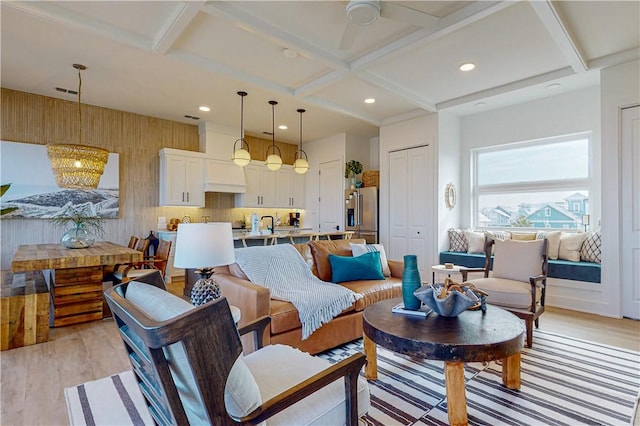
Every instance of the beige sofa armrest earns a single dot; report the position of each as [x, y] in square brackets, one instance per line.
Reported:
[396, 267]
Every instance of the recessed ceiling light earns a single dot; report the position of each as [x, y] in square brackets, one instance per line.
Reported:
[204, 108]
[554, 86]
[369, 101]
[283, 127]
[468, 66]
[480, 105]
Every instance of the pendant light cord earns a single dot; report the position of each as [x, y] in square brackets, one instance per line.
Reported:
[79, 107]
[241, 119]
[273, 126]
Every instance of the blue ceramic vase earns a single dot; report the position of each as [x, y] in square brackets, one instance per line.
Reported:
[410, 282]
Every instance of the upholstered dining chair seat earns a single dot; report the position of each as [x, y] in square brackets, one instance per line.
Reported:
[507, 293]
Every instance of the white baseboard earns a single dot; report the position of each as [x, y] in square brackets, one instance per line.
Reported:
[579, 296]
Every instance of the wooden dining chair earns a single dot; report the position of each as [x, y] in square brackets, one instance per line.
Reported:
[128, 271]
[132, 242]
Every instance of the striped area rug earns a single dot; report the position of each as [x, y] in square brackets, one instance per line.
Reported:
[565, 381]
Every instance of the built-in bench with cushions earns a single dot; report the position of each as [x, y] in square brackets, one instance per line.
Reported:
[563, 269]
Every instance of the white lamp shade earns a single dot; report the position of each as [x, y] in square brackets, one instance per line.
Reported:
[301, 166]
[241, 157]
[204, 245]
[274, 162]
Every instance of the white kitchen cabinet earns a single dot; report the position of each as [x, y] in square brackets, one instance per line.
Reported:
[181, 178]
[289, 188]
[265, 188]
[261, 187]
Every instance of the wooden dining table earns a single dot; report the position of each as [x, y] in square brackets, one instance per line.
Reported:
[74, 276]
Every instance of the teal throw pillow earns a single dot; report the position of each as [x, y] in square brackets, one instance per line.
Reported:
[363, 267]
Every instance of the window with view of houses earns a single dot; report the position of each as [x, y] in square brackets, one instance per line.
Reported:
[535, 184]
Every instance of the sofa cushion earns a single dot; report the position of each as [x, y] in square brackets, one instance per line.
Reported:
[591, 250]
[321, 250]
[518, 260]
[374, 291]
[553, 242]
[457, 242]
[475, 241]
[285, 317]
[349, 268]
[523, 236]
[506, 293]
[358, 249]
[304, 250]
[570, 245]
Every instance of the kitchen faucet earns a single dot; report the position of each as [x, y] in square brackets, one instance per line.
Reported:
[272, 223]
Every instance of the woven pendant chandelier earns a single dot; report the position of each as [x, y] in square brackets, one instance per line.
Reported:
[77, 166]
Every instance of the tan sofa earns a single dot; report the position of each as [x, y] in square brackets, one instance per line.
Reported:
[254, 301]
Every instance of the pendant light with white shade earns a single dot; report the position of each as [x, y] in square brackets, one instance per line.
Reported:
[301, 163]
[274, 160]
[241, 156]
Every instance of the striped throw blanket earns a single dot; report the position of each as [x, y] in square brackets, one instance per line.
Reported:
[282, 270]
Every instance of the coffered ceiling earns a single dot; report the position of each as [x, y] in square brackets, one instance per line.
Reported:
[166, 58]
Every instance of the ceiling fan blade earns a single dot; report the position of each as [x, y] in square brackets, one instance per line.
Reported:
[398, 12]
[349, 36]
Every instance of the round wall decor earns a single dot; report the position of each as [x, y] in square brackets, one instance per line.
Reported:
[450, 196]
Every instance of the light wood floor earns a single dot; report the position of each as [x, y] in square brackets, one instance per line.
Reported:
[33, 378]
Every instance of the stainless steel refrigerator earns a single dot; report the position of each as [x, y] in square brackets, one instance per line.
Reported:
[361, 213]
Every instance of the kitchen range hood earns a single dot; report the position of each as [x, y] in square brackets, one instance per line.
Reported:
[221, 174]
[224, 176]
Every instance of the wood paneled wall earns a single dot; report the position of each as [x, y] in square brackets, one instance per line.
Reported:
[40, 120]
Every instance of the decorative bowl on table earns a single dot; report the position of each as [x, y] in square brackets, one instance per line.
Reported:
[452, 305]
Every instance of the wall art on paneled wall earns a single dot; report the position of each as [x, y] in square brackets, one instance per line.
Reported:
[35, 193]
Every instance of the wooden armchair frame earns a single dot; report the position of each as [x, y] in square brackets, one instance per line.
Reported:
[212, 347]
[530, 316]
[157, 261]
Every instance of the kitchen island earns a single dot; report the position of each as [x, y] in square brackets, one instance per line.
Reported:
[292, 236]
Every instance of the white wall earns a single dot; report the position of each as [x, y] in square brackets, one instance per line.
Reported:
[406, 134]
[449, 171]
[620, 86]
[563, 114]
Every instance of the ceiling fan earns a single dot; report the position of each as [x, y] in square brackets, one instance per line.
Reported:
[365, 12]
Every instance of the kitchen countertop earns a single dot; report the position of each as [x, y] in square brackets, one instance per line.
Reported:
[291, 234]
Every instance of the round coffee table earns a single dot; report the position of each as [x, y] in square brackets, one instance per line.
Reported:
[471, 336]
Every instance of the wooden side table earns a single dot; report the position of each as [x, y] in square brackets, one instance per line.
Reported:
[24, 309]
[471, 336]
[441, 269]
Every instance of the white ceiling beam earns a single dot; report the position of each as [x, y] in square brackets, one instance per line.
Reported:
[50, 12]
[390, 86]
[320, 83]
[505, 88]
[322, 103]
[466, 16]
[560, 34]
[274, 33]
[175, 26]
[617, 58]
[234, 73]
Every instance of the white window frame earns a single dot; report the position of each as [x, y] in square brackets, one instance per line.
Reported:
[532, 187]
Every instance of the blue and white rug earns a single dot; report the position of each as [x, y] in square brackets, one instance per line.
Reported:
[565, 381]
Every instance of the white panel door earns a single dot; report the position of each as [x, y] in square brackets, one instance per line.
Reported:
[331, 203]
[411, 206]
[630, 226]
[398, 205]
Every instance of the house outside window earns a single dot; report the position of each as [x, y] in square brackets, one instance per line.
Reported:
[538, 184]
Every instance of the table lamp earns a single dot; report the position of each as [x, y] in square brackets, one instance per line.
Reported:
[204, 246]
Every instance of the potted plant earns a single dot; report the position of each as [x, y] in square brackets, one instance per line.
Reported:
[351, 170]
[86, 225]
[6, 210]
